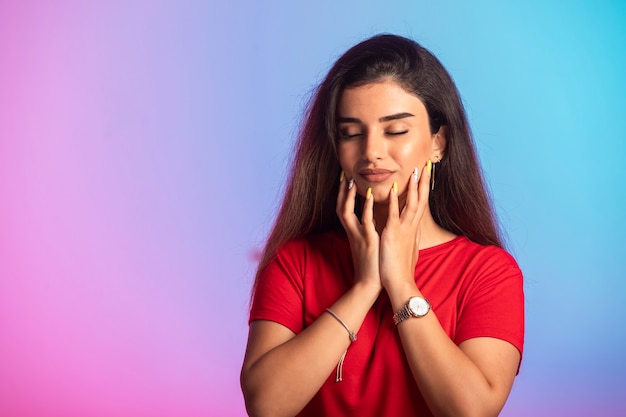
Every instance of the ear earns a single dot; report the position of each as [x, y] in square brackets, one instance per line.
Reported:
[439, 140]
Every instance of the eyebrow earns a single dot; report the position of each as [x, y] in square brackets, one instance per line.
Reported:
[382, 119]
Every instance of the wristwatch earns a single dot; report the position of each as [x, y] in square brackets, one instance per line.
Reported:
[415, 307]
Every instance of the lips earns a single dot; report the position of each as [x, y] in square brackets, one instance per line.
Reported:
[375, 174]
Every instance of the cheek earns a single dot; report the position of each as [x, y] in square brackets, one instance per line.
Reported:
[416, 154]
[346, 157]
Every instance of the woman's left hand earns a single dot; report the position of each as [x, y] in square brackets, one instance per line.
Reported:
[399, 241]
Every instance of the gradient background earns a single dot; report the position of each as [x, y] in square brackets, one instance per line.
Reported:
[143, 148]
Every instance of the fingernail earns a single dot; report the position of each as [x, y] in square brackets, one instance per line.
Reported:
[350, 184]
[341, 176]
[395, 187]
[429, 166]
[369, 193]
[416, 174]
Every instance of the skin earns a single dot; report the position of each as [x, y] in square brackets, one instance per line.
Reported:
[382, 127]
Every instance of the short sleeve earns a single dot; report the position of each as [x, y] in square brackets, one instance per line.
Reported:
[278, 295]
[494, 304]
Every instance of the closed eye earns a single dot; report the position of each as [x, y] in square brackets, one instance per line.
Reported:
[397, 133]
[349, 135]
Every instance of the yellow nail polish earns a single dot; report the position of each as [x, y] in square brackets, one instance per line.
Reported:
[429, 166]
[369, 193]
[341, 176]
[395, 187]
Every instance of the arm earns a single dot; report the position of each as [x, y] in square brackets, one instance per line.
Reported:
[473, 379]
[282, 371]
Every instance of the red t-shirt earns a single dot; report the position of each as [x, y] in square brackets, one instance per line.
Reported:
[476, 291]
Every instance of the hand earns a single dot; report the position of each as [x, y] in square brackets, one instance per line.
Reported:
[362, 235]
[399, 241]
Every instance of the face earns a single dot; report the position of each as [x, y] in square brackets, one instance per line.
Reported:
[384, 135]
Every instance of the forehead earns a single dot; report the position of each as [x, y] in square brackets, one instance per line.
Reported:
[378, 100]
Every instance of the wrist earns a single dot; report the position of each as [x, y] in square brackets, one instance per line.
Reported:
[397, 279]
[368, 289]
[400, 292]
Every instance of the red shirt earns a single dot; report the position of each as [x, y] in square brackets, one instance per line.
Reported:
[476, 291]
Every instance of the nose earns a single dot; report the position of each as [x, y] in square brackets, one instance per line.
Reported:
[374, 147]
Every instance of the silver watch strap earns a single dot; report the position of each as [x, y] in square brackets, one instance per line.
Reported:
[401, 315]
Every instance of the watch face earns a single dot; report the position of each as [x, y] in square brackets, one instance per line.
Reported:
[418, 306]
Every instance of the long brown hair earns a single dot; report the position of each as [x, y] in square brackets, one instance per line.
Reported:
[460, 202]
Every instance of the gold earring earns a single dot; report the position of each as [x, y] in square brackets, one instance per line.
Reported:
[432, 176]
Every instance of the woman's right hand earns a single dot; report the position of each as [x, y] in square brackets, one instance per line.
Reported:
[362, 235]
[282, 370]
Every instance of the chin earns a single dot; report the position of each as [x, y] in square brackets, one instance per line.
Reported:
[379, 199]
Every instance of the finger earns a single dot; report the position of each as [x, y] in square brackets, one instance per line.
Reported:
[368, 213]
[410, 208]
[341, 196]
[416, 247]
[393, 203]
[423, 190]
[345, 206]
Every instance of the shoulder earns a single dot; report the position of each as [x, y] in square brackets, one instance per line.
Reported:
[295, 254]
[305, 270]
[315, 245]
[471, 263]
[496, 259]
[483, 256]
[490, 269]
[491, 299]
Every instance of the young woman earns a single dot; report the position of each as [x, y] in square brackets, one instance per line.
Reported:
[384, 288]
